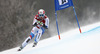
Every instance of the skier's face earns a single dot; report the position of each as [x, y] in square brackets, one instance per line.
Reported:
[41, 16]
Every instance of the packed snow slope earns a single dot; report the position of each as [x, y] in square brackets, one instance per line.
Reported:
[16, 18]
[72, 42]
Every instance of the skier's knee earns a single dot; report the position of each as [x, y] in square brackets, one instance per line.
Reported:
[32, 35]
[28, 40]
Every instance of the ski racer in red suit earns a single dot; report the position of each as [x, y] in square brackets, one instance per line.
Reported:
[41, 22]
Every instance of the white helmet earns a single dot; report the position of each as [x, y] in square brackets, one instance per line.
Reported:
[41, 13]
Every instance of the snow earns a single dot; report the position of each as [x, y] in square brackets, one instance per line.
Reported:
[72, 42]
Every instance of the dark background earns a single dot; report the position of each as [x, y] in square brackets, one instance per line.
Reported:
[16, 17]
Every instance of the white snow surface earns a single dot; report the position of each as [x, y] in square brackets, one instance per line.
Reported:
[72, 42]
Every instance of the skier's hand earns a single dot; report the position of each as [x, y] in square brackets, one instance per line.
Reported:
[38, 22]
[45, 26]
[35, 24]
[41, 23]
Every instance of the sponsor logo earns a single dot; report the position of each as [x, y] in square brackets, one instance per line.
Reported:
[62, 2]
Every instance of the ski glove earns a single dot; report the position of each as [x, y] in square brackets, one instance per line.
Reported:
[45, 26]
[35, 24]
[41, 23]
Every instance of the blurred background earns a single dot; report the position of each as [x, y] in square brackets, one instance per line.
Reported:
[16, 18]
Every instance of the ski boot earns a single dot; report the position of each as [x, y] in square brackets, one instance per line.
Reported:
[34, 44]
[20, 48]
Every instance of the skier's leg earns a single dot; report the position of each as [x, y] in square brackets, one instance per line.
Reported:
[37, 39]
[43, 30]
[40, 32]
[32, 34]
[25, 42]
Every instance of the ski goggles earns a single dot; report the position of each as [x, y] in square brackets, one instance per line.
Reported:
[41, 15]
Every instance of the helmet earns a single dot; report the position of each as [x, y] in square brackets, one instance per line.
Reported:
[41, 13]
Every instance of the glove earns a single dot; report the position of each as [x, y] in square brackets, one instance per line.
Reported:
[35, 24]
[45, 26]
[41, 23]
[38, 21]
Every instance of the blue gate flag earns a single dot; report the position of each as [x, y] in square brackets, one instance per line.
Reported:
[62, 4]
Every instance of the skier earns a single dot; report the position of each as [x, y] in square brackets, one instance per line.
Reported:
[40, 23]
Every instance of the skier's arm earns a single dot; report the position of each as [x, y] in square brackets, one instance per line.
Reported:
[46, 25]
[34, 22]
